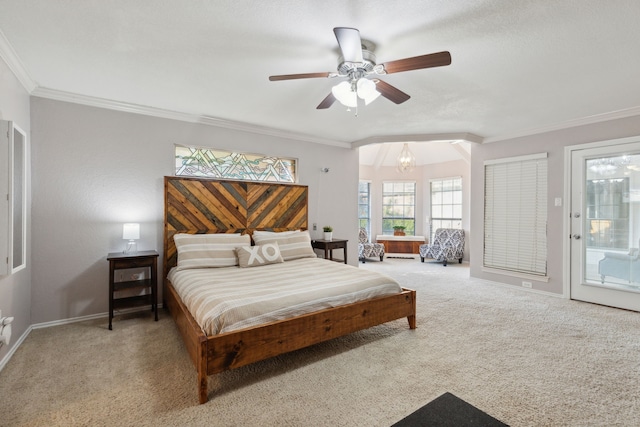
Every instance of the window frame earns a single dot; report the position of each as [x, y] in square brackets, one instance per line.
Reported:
[226, 164]
[454, 222]
[367, 219]
[408, 221]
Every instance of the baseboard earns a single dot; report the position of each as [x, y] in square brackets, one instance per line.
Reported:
[13, 349]
[26, 333]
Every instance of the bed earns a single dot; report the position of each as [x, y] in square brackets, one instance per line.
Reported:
[196, 206]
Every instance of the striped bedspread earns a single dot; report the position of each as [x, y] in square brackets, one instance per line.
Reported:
[231, 298]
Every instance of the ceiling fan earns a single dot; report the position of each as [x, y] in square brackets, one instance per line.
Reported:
[357, 63]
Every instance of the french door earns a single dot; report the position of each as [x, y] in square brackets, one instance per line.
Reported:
[605, 224]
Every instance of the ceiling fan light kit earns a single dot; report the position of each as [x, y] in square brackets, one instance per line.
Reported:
[357, 63]
[347, 93]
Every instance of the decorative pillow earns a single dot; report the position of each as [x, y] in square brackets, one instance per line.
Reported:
[208, 250]
[293, 245]
[254, 256]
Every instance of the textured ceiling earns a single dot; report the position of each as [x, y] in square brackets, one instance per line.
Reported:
[518, 66]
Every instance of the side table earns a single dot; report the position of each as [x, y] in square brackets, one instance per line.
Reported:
[121, 261]
[329, 245]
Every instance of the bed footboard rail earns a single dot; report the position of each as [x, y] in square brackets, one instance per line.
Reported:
[239, 348]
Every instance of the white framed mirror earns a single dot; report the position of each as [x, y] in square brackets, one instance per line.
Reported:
[18, 198]
[13, 198]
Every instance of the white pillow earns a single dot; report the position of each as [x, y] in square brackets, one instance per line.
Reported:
[293, 245]
[208, 250]
[254, 256]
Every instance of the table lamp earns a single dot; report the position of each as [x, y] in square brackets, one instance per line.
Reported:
[131, 232]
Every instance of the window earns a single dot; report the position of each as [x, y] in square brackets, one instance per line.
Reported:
[209, 162]
[515, 214]
[364, 206]
[398, 206]
[446, 204]
[608, 213]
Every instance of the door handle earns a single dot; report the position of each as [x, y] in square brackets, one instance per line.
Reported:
[576, 236]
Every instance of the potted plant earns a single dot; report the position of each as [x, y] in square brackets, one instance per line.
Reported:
[398, 230]
[328, 232]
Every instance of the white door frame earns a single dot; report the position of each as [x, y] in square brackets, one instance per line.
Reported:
[566, 211]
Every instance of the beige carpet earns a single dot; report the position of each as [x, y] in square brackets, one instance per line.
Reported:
[526, 359]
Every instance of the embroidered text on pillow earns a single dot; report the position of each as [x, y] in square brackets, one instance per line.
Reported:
[269, 251]
[253, 256]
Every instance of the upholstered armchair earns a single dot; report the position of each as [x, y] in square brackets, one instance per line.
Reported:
[367, 249]
[620, 266]
[448, 243]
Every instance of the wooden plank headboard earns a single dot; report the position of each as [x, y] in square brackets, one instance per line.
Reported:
[204, 205]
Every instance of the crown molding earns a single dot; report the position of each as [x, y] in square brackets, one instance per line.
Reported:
[176, 115]
[425, 137]
[12, 60]
[589, 120]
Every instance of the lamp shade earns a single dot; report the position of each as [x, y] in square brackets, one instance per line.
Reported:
[131, 231]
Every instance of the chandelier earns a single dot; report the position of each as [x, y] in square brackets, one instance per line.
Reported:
[406, 161]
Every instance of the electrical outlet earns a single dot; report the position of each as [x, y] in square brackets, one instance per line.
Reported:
[526, 284]
[315, 226]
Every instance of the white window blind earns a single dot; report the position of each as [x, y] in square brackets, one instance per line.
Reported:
[515, 214]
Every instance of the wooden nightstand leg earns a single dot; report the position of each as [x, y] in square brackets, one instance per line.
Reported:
[111, 280]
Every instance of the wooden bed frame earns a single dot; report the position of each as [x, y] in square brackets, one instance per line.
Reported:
[195, 205]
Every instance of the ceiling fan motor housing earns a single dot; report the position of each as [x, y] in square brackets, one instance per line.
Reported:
[365, 67]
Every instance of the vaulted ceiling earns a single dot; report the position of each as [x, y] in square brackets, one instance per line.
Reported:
[518, 66]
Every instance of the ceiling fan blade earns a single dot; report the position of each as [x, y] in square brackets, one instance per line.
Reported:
[438, 59]
[392, 93]
[298, 76]
[350, 44]
[327, 102]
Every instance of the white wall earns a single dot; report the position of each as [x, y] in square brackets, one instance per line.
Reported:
[94, 169]
[421, 175]
[553, 143]
[15, 289]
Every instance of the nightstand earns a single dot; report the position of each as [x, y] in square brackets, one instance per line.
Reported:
[121, 261]
[329, 245]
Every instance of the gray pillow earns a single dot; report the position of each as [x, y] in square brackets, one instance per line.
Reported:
[254, 256]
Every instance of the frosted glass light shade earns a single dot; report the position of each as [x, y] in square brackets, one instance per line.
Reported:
[347, 94]
[343, 93]
[367, 90]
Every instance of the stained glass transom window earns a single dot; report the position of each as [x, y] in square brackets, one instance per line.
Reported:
[214, 163]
